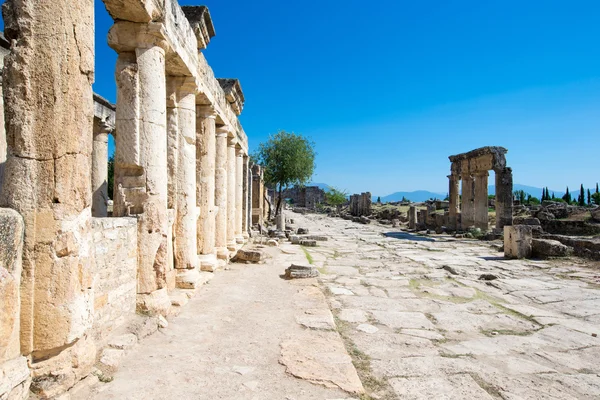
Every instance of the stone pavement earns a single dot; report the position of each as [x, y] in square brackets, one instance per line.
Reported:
[411, 311]
[421, 324]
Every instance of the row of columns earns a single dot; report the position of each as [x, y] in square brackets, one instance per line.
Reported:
[172, 155]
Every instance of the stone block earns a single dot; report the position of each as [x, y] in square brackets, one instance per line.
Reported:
[301, 271]
[302, 231]
[308, 243]
[517, 241]
[549, 248]
[254, 255]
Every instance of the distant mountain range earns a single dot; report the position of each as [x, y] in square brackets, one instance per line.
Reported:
[423, 195]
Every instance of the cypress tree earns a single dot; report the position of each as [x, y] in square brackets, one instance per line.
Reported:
[596, 187]
[543, 194]
[581, 196]
[589, 198]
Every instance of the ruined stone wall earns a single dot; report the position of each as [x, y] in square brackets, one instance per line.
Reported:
[360, 204]
[115, 244]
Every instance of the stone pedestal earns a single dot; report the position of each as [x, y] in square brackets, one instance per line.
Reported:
[518, 241]
[181, 95]
[504, 198]
[239, 196]
[231, 193]
[454, 197]
[481, 200]
[205, 185]
[467, 210]
[221, 192]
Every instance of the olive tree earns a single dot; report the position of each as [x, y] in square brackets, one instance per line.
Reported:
[288, 160]
[336, 197]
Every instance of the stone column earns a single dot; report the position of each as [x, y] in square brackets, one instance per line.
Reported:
[206, 142]
[454, 195]
[239, 195]
[181, 109]
[481, 200]
[47, 179]
[504, 198]
[221, 192]
[467, 211]
[258, 196]
[247, 190]
[281, 221]
[100, 169]
[231, 195]
[141, 155]
[412, 217]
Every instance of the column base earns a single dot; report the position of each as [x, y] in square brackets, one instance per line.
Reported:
[222, 253]
[246, 236]
[232, 245]
[155, 303]
[187, 278]
[208, 262]
[239, 239]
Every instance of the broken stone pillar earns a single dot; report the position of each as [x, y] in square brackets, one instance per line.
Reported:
[247, 194]
[412, 217]
[100, 169]
[467, 210]
[281, 221]
[47, 179]
[239, 195]
[454, 197]
[141, 154]
[258, 195]
[221, 192]
[504, 198]
[231, 192]
[518, 241]
[181, 111]
[206, 142]
[481, 200]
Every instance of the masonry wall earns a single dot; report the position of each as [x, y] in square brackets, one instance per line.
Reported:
[115, 243]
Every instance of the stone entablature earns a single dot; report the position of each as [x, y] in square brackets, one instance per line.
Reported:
[472, 169]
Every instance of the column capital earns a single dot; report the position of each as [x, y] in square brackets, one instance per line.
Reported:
[125, 36]
[179, 87]
[239, 151]
[232, 142]
[480, 173]
[206, 111]
[223, 131]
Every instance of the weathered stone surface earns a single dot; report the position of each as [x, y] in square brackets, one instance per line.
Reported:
[321, 359]
[308, 243]
[14, 379]
[301, 271]
[548, 248]
[452, 387]
[517, 241]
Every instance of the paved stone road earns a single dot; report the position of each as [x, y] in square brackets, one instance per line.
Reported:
[410, 310]
[422, 325]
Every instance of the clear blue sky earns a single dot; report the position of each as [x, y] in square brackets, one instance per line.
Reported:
[389, 89]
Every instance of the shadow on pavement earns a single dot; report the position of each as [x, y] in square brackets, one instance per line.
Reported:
[407, 236]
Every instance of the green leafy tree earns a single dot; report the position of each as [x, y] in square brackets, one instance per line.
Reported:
[289, 159]
[520, 195]
[533, 200]
[335, 197]
[596, 198]
[111, 176]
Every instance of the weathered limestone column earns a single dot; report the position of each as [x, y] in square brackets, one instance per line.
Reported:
[481, 200]
[454, 197]
[181, 109]
[281, 221]
[239, 195]
[412, 217]
[504, 198]
[258, 196]
[231, 192]
[247, 191]
[222, 134]
[206, 142]
[467, 210]
[47, 179]
[100, 170]
[141, 155]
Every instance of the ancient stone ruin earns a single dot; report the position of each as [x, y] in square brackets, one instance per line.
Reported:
[360, 204]
[305, 196]
[472, 169]
[183, 186]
